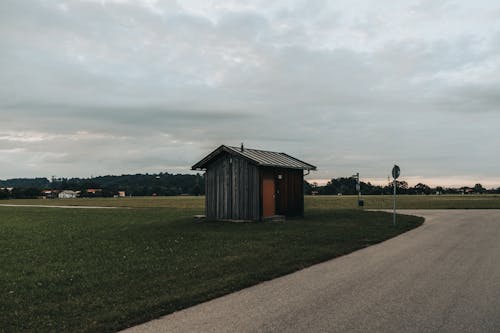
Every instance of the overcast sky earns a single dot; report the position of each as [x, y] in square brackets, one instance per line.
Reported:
[112, 87]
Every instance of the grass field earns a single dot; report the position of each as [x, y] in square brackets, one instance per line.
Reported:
[321, 202]
[66, 270]
[180, 202]
[407, 202]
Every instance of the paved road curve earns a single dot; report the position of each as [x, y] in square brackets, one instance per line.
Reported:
[441, 277]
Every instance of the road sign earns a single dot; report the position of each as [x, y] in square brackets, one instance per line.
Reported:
[395, 172]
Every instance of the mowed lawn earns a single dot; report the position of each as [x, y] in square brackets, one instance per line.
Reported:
[406, 201]
[312, 202]
[76, 270]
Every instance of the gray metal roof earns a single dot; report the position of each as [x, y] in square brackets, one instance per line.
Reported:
[259, 157]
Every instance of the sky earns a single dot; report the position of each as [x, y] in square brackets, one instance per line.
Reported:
[92, 88]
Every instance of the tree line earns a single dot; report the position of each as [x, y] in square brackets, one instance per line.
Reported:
[347, 186]
[161, 184]
[166, 184]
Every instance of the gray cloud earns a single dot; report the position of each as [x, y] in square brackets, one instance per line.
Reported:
[95, 87]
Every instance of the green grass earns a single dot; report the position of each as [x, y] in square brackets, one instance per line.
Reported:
[66, 270]
[322, 202]
[178, 202]
[407, 202]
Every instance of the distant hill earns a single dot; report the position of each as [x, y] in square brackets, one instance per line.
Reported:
[177, 184]
[42, 183]
[138, 184]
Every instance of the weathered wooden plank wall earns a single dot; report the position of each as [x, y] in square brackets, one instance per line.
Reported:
[289, 192]
[232, 189]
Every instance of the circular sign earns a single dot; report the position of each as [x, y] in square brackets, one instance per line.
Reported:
[395, 172]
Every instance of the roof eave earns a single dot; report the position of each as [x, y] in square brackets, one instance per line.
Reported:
[201, 165]
[312, 168]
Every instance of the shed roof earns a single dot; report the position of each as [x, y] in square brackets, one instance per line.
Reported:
[258, 157]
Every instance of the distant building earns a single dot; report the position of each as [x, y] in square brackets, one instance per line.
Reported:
[468, 190]
[121, 194]
[250, 184]
[68, 194]
[50, 194]
[94, 190]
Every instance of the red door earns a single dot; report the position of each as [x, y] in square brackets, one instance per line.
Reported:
[268, 198]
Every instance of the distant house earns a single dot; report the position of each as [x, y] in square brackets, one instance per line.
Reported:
[251, 184]
[467, 190]
[68, 194]
[121, 194]
[91, 193]
[50, 194]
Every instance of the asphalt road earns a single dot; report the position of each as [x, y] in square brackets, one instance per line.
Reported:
[441, 277]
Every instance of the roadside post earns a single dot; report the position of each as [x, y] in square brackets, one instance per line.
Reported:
[358, 189]
[395, 175]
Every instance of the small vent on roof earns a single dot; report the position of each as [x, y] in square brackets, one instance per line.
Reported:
[242, 148]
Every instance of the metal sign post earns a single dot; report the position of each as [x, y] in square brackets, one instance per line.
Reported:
[394, 206]
[358, 188]
[395, 174]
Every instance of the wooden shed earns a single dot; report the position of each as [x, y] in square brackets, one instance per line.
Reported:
[251, 184]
